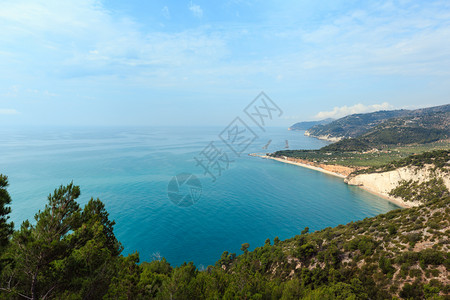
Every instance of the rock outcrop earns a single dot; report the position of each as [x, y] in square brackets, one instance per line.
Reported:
[383, 183]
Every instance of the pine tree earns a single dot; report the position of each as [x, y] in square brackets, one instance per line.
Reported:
[6, 228]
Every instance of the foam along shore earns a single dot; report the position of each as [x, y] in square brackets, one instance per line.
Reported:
[301, 164]
[396, 201]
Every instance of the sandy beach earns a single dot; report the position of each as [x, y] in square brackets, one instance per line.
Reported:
[301, 165]
[398, 202]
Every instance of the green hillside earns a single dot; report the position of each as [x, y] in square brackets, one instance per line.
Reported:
[356, 124]
[420, 128]
[439, 158]
[353, 157]
[389, 127]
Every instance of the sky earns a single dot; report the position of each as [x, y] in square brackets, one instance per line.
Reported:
[172, 63]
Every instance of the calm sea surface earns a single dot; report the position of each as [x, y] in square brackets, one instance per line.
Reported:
[130, 168]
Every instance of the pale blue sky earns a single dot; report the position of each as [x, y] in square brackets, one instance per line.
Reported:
[130, 62]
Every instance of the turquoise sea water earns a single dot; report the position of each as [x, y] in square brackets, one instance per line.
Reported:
[129, 169]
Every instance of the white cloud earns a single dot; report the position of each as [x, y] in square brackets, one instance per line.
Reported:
[84, 39]
[396, 39]
[196, 10]
[16, 91]
[339, 112]
[12, 92]
[8, 111]
[166, 13]
[53, 39]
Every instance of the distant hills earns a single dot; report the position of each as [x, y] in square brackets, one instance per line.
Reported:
[354, 125]
[360, 132]
[416, 127]
[308, 124]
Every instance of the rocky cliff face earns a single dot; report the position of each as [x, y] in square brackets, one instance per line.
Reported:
[383, 183]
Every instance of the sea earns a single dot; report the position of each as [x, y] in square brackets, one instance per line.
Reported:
[183, 193]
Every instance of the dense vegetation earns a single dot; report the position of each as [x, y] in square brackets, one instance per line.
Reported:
[382, 127]
[356, 124]
[423, 192]
[426, 128]
[375, 139]
[6, 228]
[382, 138]
[71, 252]
[375, 159]
[439, 159]
[348, 145]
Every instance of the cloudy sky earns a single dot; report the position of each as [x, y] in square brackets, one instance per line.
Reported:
[116, 62]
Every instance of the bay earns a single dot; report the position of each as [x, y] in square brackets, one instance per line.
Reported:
[130, 168]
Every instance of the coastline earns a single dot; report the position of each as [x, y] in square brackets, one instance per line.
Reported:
[398, 202]
[300, 165]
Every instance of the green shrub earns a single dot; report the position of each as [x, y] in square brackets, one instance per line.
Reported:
[431, 257]
[412, 291]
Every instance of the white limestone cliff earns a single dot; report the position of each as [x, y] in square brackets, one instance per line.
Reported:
[383, 183]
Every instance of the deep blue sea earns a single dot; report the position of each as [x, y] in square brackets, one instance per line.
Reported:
[129, 169]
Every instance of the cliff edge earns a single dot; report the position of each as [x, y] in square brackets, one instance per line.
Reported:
[384, 183]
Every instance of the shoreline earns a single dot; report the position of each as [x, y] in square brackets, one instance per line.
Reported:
[300, 165]
[397, 202]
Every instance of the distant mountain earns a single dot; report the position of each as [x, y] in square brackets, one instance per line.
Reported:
[353, 125]
[308, 124]
[416, 127]
[359, 124]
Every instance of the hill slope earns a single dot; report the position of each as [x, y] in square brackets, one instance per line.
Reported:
[357, 125]
[353, 125]
[413, 181]
[402, 253]
[418, 127]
